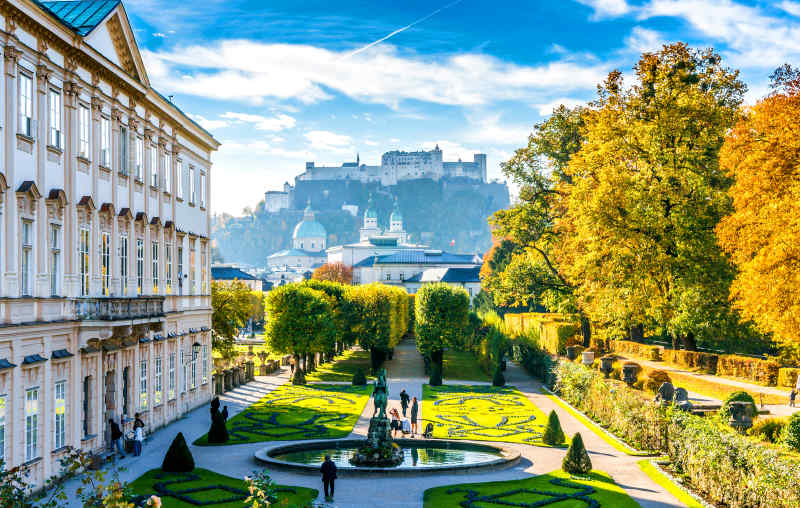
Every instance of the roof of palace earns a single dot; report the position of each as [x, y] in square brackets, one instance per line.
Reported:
[420, 257]
[81, 16]
[229, 273]
[462, 275]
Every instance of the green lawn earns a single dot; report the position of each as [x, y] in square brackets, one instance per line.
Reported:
[232, 496]
[299, 412]
[342, 367]
[462, 366]
[597, 485]
[482, 413]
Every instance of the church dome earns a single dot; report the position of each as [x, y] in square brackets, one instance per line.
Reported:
[370, 213]
[309, 229]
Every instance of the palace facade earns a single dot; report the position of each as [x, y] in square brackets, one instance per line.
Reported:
[105, 306]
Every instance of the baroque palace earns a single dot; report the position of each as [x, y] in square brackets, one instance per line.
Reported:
[105, 306]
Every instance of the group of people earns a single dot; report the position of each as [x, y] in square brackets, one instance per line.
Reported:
[403, 424]
[117, 435]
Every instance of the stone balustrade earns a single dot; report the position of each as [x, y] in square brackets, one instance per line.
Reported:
[112, 308]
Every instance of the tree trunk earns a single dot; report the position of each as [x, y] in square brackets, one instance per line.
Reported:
[437, 357]
[689, 342]
[675, 342]
[586, 330]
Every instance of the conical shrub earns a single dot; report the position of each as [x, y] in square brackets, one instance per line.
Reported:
[499, 379]
[299, 377]
[178, 458]
[553, 435]
[577, 461]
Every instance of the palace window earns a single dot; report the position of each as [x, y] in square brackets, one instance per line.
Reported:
[179, 181]
[55, 118]
[27, 257]
[203, 271]
[105, 262]
[31, 424]
[202, 190]
[139, 265]
[167, 172]
[171, 374]
[123, 149]
[83, 128]
[153, 166]
[157, 382]
[3, 427]
[25, 104]
[60, 430]
[139, 159]
[194, 371]
[84, 261]
[105, 141]
[87, 405]
[55, 258]
[191, 266]
[123, 264]
[183, 372]
[168, 276]
[388, 276]
[205, 364]
[155, 267]
[180, 268]
[191, 186]
[143, 384]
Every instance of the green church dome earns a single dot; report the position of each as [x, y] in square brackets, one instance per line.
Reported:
[309, 229]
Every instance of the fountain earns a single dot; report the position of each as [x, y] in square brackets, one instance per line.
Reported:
[378, 450]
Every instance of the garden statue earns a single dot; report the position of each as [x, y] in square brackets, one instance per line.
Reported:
[682, 399]
[380, 395]
[218, 433]
[665, 393]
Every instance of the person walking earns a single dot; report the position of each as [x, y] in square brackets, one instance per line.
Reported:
[116, 437]
[404, 401]
[792, 396]
[328, 470]
[138, 435]
[414, 415]
[395, 425]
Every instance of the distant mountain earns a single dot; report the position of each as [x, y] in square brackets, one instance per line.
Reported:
[434, 213]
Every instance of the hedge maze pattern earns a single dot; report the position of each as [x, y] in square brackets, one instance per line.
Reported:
[162, 489]
[299, 412]
[483, 413]
[474, 499]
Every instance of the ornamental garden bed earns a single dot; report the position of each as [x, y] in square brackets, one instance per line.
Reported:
[482, 413]
[342, 367]
[298, 412]
[207, 488]
[557, 489]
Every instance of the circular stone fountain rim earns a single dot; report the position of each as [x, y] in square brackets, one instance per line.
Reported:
[509, 457]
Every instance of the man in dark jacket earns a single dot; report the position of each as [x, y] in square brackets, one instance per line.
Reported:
[404, 399]
[116, 437]
[328, 470]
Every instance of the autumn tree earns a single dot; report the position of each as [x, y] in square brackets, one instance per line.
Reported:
[334, 272]
[762, 234]
[645, 192]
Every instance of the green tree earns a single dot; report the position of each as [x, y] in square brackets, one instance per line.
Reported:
[232, 306]
[299, 321]
[441, 319]
[381, 318]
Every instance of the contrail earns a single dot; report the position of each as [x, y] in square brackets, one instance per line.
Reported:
[420, 20]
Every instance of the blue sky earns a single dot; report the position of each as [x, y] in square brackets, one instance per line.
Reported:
[282, 82]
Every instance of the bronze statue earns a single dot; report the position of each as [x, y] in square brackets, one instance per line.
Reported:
[380, 395]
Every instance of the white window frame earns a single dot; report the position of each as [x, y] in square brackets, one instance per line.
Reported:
[168, 274]
[139, 265]
[26, 261]
[179, 180]
[157, 381]
[143, 384]
[139, 158]
[154, 166]
[205, 364]
[84, 122]
[167, 172]
[55, 134]
[60, 415]
[192, 196]
[25, 105]
[183, 372]
[155, 266]
[83, 262]
[105, 141]
[202, 190]
[31, 423]
[123, 149]
[55, 259]
[171, 373]
[123, 264]
[193, 385]
[105, 263]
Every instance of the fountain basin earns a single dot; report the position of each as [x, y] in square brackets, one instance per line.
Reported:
[421, 456]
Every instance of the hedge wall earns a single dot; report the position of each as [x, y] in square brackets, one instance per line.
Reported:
[753, 369]
[706, 362]
[646, 351]
[555, 331]
[787, 377]
[726, 467]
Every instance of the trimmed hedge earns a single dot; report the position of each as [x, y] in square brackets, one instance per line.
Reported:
[554, 332]
[764, 372]
[787, 377]
[706, 362]
[729, 469]
[646, 351]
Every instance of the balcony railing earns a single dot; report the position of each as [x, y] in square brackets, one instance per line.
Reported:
[112, 309]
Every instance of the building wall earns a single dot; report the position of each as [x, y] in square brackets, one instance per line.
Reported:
[275, 201]
[65, 208]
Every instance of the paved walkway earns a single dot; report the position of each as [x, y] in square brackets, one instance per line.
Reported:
[405, 372]
[774, 409]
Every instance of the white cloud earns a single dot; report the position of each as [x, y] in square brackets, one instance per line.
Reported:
[252, 71]
[209, 124]
[491, 129]
[792, 8]
[607, 8]
[159, 34]
[643, 40]
[263, 123]
[329, 141]
[546, 109]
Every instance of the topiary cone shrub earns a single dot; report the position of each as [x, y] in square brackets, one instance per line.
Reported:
[553, 435]
[299, 377]
[178, 458]
[499, 379]
[577, 460]
[436, 375]
[359, 378]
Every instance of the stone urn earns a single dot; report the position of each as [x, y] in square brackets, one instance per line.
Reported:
[587, 358]
[630, 373]
[572, 353]
[607, 365]
[262, 369]
[741, 416]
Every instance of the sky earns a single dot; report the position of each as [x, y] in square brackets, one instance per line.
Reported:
[282, 82]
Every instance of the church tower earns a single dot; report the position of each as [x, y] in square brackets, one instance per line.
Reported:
[370, 227]
[396, 224]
